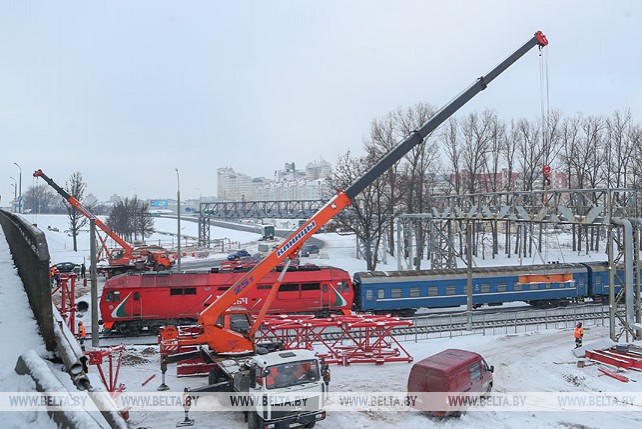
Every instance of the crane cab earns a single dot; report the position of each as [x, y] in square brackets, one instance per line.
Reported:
[236, 319]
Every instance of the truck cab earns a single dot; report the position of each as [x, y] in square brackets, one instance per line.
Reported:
[288, 387]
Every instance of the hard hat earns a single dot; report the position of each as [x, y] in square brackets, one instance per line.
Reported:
[80, 323]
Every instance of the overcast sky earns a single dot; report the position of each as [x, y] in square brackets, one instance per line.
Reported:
[125, 92]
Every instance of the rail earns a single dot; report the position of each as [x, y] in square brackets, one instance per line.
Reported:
[502, 321]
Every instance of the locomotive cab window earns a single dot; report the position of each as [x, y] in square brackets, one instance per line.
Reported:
[112, 296]
[343, 286]
[136, 296]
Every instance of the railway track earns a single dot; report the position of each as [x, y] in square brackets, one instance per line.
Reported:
[438, 323]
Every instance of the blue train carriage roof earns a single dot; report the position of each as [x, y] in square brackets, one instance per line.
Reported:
[479, 271]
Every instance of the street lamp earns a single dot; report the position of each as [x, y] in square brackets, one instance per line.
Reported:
[19, 189]
[178, 198]
[15, 192]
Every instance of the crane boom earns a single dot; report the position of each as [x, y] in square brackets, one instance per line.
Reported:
[226, 341]
[85, 211]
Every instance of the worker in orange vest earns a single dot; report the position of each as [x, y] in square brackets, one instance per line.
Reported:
[272, 376]
[579, 333]
[82, 334]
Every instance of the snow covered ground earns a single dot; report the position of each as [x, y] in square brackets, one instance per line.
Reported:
[18, 334]
[528, 362]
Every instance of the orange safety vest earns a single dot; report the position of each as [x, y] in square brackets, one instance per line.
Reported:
[271, 377]
[579, 332]
[82, 331]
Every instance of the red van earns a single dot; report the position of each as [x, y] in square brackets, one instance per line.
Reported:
[454, 371]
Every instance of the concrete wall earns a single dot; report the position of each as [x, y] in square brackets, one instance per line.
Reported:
[31, 256]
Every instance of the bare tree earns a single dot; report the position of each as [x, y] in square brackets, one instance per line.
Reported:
[76, 187]
[420, 169]
[384, 136]
[477, 135]
[371, 211]
[531, 154]
[130, 218]
[619, 148]
[449, 138]
[569, 135]
[42, 199]
[509, 153]
[492, 181]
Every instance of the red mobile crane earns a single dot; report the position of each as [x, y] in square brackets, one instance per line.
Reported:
[217, 320]
[126, 258]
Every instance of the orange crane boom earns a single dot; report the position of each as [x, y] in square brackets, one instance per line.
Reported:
[223, 340]
[84, 210]
[119, 261]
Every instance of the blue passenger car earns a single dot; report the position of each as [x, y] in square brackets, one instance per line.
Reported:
[405, 291]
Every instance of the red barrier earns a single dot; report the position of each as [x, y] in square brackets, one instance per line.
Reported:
[356, 338]
[96, 357]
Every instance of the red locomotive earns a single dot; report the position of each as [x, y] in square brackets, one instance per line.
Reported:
[132, 302]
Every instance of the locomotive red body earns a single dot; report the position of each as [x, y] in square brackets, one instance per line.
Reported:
[131, 302]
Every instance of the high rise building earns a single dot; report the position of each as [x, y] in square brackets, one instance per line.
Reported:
[288, 184]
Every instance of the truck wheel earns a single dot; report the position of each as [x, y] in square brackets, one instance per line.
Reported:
[488, 389]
